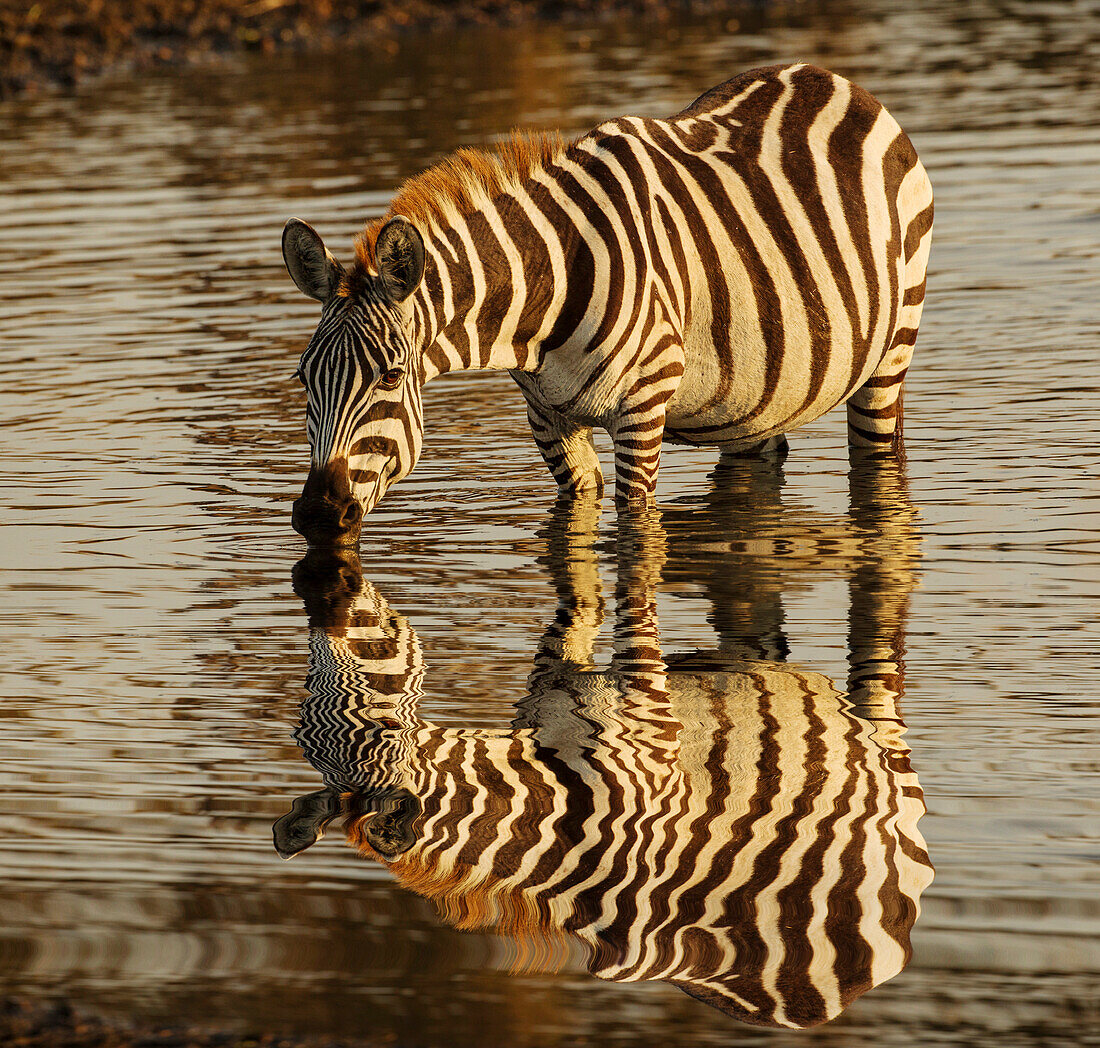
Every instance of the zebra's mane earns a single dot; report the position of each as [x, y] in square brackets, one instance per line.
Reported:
[462, 183]
[469, 900]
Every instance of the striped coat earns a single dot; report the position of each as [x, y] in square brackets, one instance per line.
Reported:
[718, 278]
[737, 827]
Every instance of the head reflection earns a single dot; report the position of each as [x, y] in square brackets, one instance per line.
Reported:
[721, 819]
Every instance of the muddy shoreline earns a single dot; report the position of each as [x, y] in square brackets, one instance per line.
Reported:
[55, 44]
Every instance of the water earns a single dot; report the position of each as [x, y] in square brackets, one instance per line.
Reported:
[154, 438]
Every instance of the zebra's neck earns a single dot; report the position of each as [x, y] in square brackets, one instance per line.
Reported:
[496, 286]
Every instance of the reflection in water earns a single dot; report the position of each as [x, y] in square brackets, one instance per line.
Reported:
[720, 820]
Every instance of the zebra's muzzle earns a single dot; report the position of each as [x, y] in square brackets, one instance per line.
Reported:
[327, 513]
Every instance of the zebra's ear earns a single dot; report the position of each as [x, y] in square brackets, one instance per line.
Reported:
[304, 825]
[399, 251]
[312, 268]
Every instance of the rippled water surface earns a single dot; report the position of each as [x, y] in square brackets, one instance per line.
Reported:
[157, 653]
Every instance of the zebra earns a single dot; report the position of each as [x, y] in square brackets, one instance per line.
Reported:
[733, 825]
[715, 279]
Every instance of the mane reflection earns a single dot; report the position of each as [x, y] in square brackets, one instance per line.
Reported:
[719, 819]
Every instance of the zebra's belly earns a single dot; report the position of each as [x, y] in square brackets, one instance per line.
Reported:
[742, 396]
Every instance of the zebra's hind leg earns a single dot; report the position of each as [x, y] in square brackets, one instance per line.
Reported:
[875, 410]
[567, 450]
[875, 413]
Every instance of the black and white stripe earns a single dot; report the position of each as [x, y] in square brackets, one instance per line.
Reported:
[350, 415]
[719, 278]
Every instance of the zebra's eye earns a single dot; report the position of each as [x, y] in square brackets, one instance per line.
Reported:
[390, 379]
[299, 376]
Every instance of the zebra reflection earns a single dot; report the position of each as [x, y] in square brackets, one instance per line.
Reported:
[721, 820]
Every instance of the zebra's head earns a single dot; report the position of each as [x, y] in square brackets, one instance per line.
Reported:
[364, 683]
[362, 378]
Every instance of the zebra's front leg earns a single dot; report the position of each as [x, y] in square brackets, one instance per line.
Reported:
[637, 434]
[568, 451]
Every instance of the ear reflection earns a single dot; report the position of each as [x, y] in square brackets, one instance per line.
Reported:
[720, 818]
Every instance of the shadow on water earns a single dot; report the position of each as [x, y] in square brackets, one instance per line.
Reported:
[720, 819]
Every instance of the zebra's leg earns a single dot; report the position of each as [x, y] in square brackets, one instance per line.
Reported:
[637, 426]
[567, 450]
[875, 410]
[637, 433]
